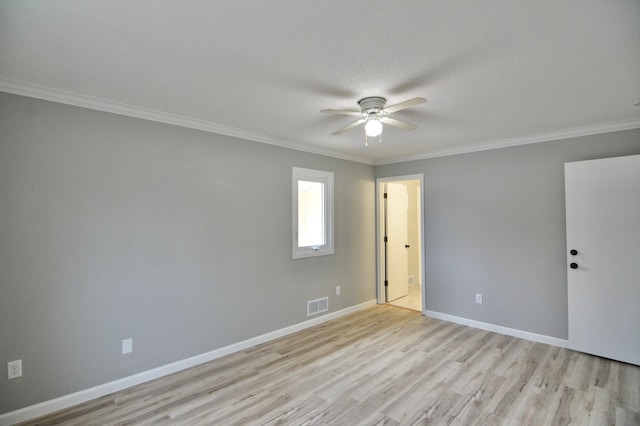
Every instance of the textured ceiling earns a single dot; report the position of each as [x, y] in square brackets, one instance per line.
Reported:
[494, 72]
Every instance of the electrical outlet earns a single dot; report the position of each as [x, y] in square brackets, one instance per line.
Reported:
[337, 290]
[14, 369]
[479, 298]
[127, 346]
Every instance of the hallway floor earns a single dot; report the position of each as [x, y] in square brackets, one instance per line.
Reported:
[413, 300]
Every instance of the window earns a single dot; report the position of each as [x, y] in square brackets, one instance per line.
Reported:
[312, 213]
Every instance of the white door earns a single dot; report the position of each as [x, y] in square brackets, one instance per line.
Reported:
[603, 227]
[397, 204]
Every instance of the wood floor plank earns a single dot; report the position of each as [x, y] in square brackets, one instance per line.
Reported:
[381, 366]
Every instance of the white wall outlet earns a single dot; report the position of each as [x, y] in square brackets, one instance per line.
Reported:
[479, 298]
[337, 290]
[127, 346]
[14, 369]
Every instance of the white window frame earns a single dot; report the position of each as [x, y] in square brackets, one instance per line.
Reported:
[298, 174]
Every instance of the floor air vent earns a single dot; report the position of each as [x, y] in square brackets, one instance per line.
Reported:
[318, 305]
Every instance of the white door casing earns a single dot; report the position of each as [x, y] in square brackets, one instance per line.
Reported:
[603, 226]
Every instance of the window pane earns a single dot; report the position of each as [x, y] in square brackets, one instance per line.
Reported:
[310, 213]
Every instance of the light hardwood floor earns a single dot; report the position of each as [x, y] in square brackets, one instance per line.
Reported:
[383, 365]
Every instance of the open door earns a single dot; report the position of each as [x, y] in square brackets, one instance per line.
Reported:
[396, 241]
[400, 242]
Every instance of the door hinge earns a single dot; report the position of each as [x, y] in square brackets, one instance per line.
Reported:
[385, 239]
[385, 195]
[386, 283]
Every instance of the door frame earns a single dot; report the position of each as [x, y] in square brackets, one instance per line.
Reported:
[380, 290]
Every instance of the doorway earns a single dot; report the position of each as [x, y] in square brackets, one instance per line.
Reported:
[400, 242]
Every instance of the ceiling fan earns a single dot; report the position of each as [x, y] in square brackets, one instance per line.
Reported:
[373, 115]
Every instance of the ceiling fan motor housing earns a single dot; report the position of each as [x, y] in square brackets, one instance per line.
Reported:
[372, 104]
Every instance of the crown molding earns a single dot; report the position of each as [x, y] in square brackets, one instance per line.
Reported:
[83, 101]
[595, 129]
[99, 104]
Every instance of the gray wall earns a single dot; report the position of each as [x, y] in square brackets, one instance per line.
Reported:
[113, 227]
[495, 224]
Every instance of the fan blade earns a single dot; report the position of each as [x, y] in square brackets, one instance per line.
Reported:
[349, 126]
[404, 105]
[397, 123]
[342, 111]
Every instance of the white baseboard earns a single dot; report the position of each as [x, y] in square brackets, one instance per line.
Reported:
[534, 337]
[79, 397]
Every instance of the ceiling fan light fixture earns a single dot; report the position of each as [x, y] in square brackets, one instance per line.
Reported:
[373, 127]
[373, 115]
